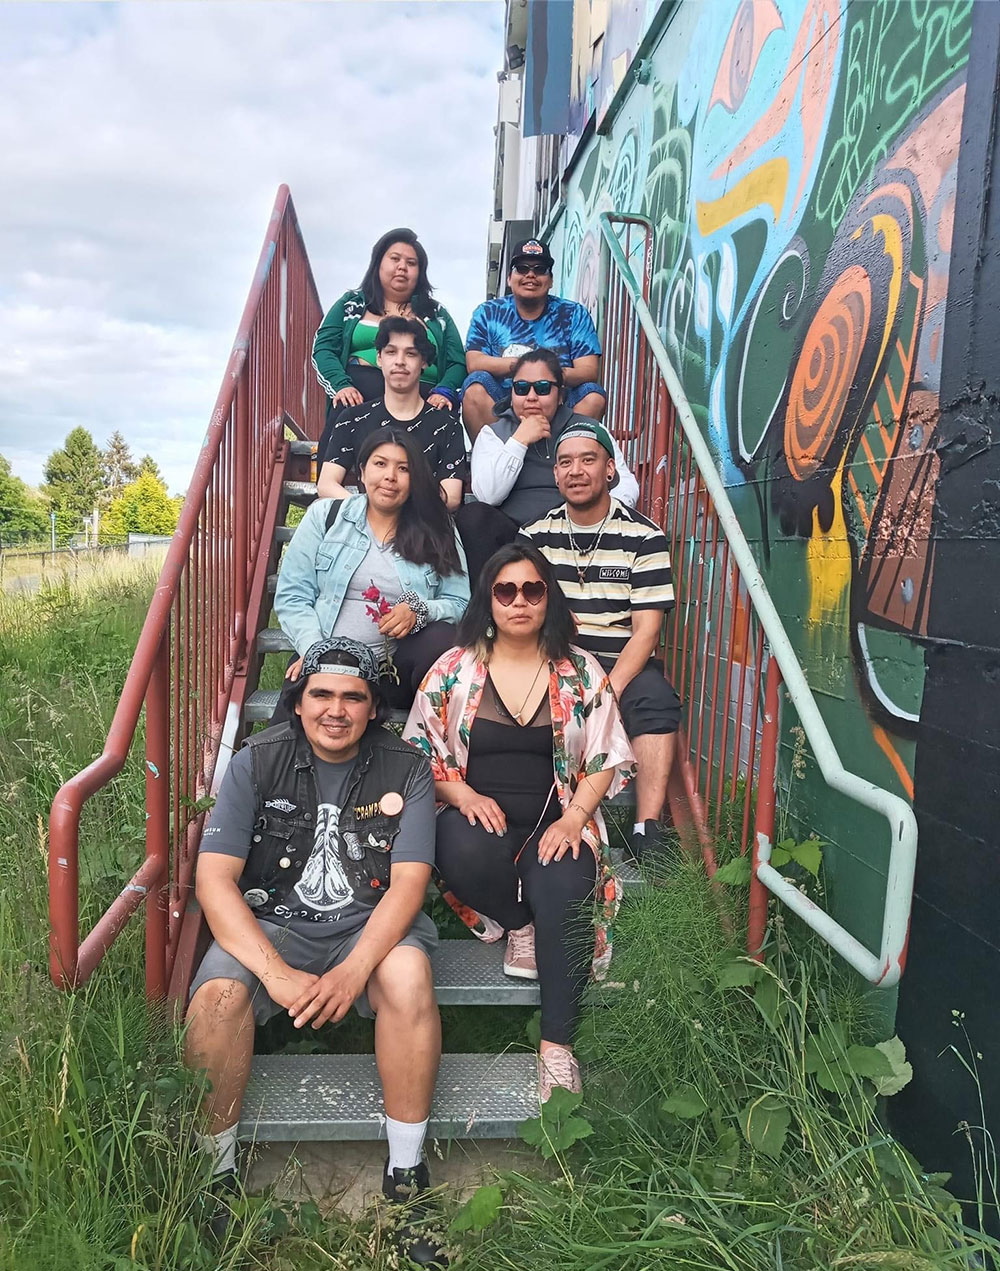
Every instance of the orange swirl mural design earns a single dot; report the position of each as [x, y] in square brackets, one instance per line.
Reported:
[826, 370]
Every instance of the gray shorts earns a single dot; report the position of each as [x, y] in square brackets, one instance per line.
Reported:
[315, 956]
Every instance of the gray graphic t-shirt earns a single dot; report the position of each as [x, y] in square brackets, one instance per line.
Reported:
[323, 894]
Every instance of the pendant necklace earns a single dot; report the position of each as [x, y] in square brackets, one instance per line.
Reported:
[588, 556]
[531, 688]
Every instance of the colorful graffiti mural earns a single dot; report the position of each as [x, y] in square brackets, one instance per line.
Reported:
[798, 161]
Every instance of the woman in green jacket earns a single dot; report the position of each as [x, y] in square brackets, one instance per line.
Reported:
[395, 283]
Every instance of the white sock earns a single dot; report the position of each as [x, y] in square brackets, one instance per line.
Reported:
[221, 1148]
[639, 828]
[406, 1142]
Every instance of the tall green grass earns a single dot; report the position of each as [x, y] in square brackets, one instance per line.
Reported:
[96, 1111]
[734, 1116]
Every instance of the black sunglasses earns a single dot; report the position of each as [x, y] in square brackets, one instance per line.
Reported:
[506, 593]
[524, 270]
[542, 387]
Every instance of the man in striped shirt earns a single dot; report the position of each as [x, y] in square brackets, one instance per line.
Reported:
[614, 566]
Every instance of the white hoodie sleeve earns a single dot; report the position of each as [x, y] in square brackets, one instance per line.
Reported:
[627, 488]
[496, 465]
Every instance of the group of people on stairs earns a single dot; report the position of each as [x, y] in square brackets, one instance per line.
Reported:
[519, 632]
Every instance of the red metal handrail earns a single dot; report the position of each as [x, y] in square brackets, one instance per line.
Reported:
[199, 632]
[723, 781]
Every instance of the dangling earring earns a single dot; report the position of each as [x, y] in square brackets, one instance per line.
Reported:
[490, 631]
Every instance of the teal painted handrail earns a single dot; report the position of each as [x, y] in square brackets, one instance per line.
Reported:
[885, 967]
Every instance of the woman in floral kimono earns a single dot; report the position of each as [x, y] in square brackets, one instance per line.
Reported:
[525, 740]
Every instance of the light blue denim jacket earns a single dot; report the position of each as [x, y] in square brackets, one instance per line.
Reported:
[319, 563]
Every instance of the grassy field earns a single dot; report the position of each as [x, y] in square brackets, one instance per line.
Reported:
[730, 1118]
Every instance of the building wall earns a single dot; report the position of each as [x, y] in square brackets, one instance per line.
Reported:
[799, 161]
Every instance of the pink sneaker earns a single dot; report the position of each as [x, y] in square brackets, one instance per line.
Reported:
[519, 960]
[557, 1067]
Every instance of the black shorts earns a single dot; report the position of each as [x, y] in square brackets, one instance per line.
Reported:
[650, 703]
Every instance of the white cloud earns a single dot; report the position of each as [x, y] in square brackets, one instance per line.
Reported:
[142, 147]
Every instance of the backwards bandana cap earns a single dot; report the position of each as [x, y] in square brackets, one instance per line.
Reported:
[326, 656]
[593, 432]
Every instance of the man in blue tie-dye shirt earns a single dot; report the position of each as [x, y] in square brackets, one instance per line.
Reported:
[529, 318]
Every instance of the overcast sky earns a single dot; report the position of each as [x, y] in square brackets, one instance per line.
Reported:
[141, 148]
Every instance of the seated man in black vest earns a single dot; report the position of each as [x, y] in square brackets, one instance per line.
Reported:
[512, 459]
[312, 873]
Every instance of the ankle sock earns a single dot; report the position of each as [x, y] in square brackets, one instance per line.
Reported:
[639, 828]
[406, 1142]
[221, 1148]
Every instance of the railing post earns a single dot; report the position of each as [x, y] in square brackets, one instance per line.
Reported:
[64, 903]
[158, 818]
[763, 826]
[241, 510]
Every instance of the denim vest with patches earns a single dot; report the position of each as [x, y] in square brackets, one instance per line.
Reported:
[286, 802]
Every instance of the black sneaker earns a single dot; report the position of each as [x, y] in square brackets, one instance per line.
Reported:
[654, 847]
[638, 844]
[423, 1247]
[223, 1190]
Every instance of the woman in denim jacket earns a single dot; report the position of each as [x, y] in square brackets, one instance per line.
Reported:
[384, 567]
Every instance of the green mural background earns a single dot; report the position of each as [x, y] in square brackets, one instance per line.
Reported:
[798, 161]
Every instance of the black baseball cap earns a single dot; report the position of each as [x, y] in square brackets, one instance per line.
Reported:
[532, 251]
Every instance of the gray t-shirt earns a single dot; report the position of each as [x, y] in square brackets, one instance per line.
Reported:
[323, 894]
[378, 571]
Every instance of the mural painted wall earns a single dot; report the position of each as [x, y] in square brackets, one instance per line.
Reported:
[798, 159]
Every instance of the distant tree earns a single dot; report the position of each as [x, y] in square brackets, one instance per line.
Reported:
[23, 514]
[73, 476]
[143, 507]
[117, 466]
[148, 464]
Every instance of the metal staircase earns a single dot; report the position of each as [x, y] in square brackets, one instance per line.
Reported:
[338, 1097]
[194, 683]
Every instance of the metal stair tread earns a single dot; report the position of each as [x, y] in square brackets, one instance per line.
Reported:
[283, 533]
[339, 1097]
[300, 491]
[302, 447]
[273, 640]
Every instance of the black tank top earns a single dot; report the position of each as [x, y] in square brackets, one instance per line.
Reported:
[512, 762]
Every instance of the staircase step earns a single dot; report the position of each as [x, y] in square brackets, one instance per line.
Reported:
[470, 973]
[303, 447]
[283, 534]
[300, 491]
[323, 1097]
[273, 640]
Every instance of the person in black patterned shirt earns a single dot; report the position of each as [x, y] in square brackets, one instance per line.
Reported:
[613, 565]
[403, 349]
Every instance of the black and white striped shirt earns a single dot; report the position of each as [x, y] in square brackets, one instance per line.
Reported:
[630, 569]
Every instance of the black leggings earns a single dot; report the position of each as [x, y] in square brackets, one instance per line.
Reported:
[479, 868]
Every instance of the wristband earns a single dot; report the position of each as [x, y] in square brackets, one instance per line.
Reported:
[418, 608]
[581, 808]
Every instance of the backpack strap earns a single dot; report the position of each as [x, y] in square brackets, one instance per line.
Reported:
[333, 513]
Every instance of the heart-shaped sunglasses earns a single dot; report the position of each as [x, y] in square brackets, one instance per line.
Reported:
[533, 592]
